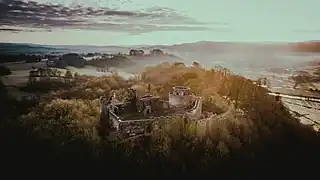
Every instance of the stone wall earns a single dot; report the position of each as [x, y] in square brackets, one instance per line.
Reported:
[120, 124]
[201, 125]
[196, 111]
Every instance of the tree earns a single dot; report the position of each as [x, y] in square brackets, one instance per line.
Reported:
[32, 76]
[300, 79]
[196, 64]
[4, 71]
[49, 72]
[258, 82]
[68, 74]
[76, 75]
[58, 73]
[42, 72]
[132, 52]
[54, 72]
[266, 81]
[226, 71]
[156, 52]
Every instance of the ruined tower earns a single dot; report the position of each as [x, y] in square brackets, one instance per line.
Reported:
[180, 96]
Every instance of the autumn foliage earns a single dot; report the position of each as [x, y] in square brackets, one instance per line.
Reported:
[260, 134]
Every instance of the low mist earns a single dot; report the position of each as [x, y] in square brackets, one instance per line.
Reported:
[236, 58]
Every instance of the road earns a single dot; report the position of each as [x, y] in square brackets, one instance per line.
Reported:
[305, 108]
[297, 97]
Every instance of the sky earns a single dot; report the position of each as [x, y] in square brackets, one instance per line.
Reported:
[152, 22]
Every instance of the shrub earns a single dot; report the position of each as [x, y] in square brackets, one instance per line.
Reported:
[4, 71]
[63, 120]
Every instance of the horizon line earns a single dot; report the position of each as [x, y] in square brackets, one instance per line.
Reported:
[202, 41]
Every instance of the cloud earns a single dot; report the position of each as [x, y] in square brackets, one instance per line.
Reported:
[10, 29]
[17, 30]
[31, 14]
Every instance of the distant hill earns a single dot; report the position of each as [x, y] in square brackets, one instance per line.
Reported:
[12, 48]
[220, 47]
[201, 46]
[209, 46]
[311, 46]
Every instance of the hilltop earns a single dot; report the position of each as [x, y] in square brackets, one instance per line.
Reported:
[262, 137]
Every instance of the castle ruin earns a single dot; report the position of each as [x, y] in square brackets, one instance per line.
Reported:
[135, 115]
